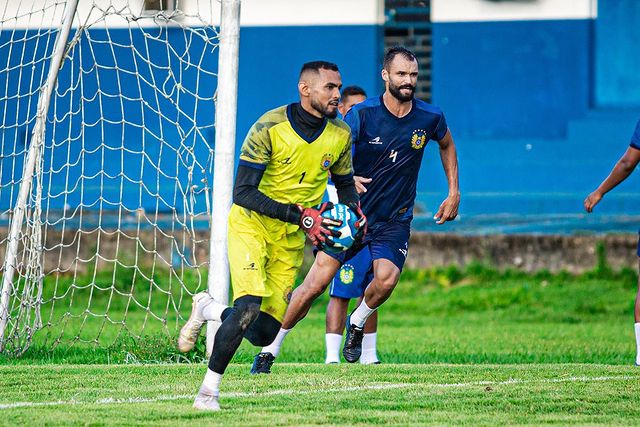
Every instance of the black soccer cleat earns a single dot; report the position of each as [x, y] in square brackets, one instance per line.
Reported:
[353, 342]
[262, 363]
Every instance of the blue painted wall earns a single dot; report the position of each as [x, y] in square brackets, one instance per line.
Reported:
[514, 78]
[618, 53]
[270, 60]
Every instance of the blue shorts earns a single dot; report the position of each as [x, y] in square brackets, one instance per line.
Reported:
[389, 240]
[353, 277]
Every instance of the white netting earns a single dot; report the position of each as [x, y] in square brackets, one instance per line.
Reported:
[115, 236]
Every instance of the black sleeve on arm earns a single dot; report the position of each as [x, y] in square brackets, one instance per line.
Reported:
[346, 188]
[247, 195]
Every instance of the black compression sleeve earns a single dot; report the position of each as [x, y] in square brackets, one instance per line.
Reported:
[346, 188]
[247, 195]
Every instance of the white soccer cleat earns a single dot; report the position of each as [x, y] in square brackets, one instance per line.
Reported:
[191, 330]
[205, 402]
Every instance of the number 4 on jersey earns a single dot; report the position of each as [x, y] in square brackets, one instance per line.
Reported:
[393, 155]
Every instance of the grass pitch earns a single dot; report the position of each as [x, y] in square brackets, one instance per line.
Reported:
[458, 347]
[313, 394]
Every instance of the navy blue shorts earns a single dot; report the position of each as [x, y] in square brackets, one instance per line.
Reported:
[353, 277]
[389, 240]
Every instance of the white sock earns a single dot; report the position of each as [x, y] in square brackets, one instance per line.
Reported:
[211, 384]
[274, 347]
[369, 354]
[213, 310]
[637, 328]
[361, 314]
[333, 342]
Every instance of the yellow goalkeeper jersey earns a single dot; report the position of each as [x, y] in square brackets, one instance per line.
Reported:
[295, 167]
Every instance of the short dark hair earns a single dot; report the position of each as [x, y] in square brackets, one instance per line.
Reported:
[352, 91]
[392, 52]
[316, 66]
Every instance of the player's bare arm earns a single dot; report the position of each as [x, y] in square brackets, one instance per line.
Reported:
[619, 173]
[449, 207]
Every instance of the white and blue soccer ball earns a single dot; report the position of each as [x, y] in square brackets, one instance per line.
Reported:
[347, 230]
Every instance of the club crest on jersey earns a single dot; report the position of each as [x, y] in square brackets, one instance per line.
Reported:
[326, 162]
[418, 139]
[347, 274]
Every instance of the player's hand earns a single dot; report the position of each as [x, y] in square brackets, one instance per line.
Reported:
[361, 222]
[316, 226]
[592, 200]
[360, 182]
[448, 209]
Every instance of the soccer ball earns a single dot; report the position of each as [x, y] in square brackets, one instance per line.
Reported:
[347, 230]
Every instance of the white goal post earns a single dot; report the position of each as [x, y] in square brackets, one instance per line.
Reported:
[110, 218]
[226, 107]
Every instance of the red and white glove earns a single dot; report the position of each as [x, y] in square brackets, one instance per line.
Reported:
[361, 222]
[316, 226]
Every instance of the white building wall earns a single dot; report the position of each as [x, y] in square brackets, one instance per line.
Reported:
[484, 10]
[254, 13]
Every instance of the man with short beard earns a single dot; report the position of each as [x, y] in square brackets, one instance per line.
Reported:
[389, 134]
[282, 174]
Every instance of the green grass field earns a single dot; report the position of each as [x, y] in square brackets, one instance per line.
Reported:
[313, 394]
[458, 347]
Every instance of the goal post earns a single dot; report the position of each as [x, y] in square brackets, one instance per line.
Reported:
[226, 107]
[110, 216]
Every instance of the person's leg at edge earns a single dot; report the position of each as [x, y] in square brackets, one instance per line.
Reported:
[322, 271]
[237, 320]
[335, 322]
[636, 315]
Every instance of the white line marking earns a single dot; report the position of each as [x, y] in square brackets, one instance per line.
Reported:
[379, 386]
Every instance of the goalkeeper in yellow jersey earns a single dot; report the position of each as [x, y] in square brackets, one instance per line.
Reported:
[281, 178]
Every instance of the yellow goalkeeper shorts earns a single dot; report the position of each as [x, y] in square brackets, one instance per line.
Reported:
[265, 255]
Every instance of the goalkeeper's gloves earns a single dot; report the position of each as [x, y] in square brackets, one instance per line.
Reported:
[316, 226]
[361, 222]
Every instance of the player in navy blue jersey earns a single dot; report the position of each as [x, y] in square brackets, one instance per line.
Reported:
[389, 134]
[620, 172]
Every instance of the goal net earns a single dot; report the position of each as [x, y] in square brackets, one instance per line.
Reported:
[112, 237]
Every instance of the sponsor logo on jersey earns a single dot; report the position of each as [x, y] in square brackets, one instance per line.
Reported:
[251, 266]
[326, 162]
[418, 139]
[347, 274]
[375, 141]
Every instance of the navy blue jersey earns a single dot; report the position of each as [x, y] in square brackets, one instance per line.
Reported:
[389, 150]
[635, 139]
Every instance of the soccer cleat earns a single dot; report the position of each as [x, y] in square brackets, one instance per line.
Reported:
[352, 348]
[262, 363]
[205, 402]
[191, 330]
